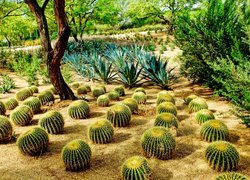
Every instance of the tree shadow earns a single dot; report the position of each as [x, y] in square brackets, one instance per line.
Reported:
[186, 130]
[96, 114]
[182, 117]
[183, 150]
[137, 122]
[120, 137]
[233, 138]
[77, 128]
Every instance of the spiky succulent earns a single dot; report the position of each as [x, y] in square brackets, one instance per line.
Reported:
[34, 89]
[158, 142]
[166, 120]
[136, 167]
[6, 129]
[103, 87]
[189, 98]
[98, 91]
[140, 97]
[34, 103]
[46, 97]
[74, 85]
[53, 90]
[11, 104]
[214, 130]
[22, 115]
[231, 176]
[2, 108]
[33, 142]
[76, 155]
[204, 115]
[120, 89]
[222, 156]
[103, 101]
[101, 132]
[52, 122]
[140, 89]
[119, 115]
[23, 94]
[162, 93]
[88, 88]
[81, 90]
[197, 104]
[78, 109]
[166, 107]
[132, 104]
[164, 98]
[114, 95]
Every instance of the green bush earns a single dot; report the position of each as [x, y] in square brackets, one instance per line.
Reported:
[6, 129]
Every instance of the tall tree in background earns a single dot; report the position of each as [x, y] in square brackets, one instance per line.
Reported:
[53, 56]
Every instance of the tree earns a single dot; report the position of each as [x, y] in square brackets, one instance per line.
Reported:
[53, 56]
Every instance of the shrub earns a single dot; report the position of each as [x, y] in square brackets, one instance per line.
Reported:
[6, 129]
[120, 90]
[231, 176]
[140, 97]
[119, 115]
[23, 94]
[78, 109]
[101, 132]
[204, 115]
[140, 89]
[164, 98]
[7, 84]
[34, 89]
[158, 142]
[114, 95]
[22, 115]
[81, 90]
[46, 97]
[222, 156]
[166, 107]
[103, 101]
[132, 104]
[166, 120]
[189, 98]
[96, 92]
[76, 155]
[2, 108]
[197, 104]
[11, 104]
[33, 142]
[34, 103]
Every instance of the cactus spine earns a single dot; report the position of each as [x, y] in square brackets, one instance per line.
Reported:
[119, 115]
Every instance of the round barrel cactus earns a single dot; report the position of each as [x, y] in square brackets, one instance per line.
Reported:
[88, 88]
[103, 101]
[189, 98]
[81, 90]
[166, 120]
[78, 109]
[166, 107]
[114, 95]
[34, 89]
[197, 104]
[98, 91]
[136, 167]
[6, 129]
[76, 155]
[204, 115]
[214, 130]
[46, 97]
[22, 115]
[74, 85]
[222, 156]
[11, 104]
[164, 98]
[131, 103]
[140, 89]
[23, 94]
[162, 92]
[53, 90]
[52, 122]
[2, 108]
[33, 142]
[120, 89]
[119, 115]
[158, 142]
[231, 176]
[101, 132]
[140, 97]
[103, 87]
[34, 103]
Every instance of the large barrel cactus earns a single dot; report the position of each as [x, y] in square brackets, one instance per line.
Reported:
[136, 168]
[76, 155]
[120, 89]
[78, 109]
[2, 108]
[231, 176]
[158, 142]
[22, 115]
[119, 115]
[140, 97]
[197, 104]
[46, 97]
[131, 103]
[82, 90]
[52, 122]
[6, 129]
[222, 156]
[23, 94]
[33, 142]
[11, 104]
[98, 91]
[101, 132]
[34, 89]
[164, 98]
[114, 95]
[214, 130]
[103, 100]
[203, 116]
[34, 103]
[189, 98]
[140, 89]
[166, 107]
[166, 120]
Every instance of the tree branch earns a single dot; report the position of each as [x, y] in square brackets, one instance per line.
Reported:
[45, 4]
[12, 10]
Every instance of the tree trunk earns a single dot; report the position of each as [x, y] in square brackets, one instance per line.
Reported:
[8, 41]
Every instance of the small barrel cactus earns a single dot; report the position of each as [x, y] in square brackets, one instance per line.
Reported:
[222, 156]
[22, 115]
[34, 89]
[78, 109]
[101, 132]
[204, 115]
[231, 176]
[23, 94]
[119, 115]
[11, 104]
[197, 104]
[52, 122]
[114, 95]
[53, 90]
[164, 98]
[214, 130]
[46, 97]
[81, 90]
[166, 107]
[74, 85]
[166, 120]
[140, 97]
[189, 98]
[158, 142]
[34, 103]
[6, 129]
[120, 89]
[76, 155]
[33, 142]
[98, 91]
[140, 89]
[103, 101]
[103, 87]
[136, 167]
[131, 103]
[2, 108]
[88, 88]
